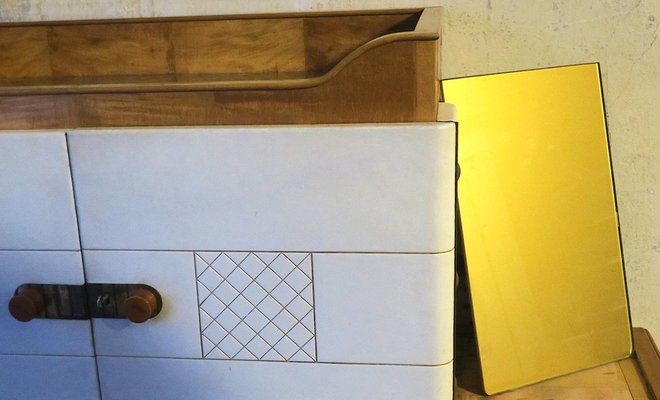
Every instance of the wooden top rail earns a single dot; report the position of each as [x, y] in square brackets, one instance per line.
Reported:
[200, 82]
[367, 67]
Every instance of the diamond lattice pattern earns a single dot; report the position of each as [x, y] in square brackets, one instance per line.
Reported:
[256, 306]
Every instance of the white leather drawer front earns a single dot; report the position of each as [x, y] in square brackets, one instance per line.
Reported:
[123, 378]
[384, 308]
[175, 331]
[48, 378]
[365, 188]
[36, 199]
[41, 336]
[284, 306]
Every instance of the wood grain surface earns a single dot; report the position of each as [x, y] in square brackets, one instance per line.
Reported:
[648, 357]
[188, 82]
[364, 91]
[199, 46]
[347, 68]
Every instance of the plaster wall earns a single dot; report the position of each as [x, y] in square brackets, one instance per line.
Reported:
[487, 36]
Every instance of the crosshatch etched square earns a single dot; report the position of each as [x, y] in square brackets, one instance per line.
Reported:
[256, 306]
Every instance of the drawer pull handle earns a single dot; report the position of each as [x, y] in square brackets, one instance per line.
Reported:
[27, 304]
[134, 302]
[141, 306]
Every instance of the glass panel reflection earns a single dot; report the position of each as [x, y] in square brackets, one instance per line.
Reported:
[540, 226]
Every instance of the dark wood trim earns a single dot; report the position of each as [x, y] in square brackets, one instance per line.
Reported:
[648, 358]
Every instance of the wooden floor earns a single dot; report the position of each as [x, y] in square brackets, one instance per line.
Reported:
[622, 380]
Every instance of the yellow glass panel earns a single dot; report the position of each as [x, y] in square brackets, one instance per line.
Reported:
[540, 225]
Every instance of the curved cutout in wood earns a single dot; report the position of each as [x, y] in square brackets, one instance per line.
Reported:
[173, 83]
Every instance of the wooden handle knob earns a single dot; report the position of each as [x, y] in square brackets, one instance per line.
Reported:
[26, 304]
[141, 305]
